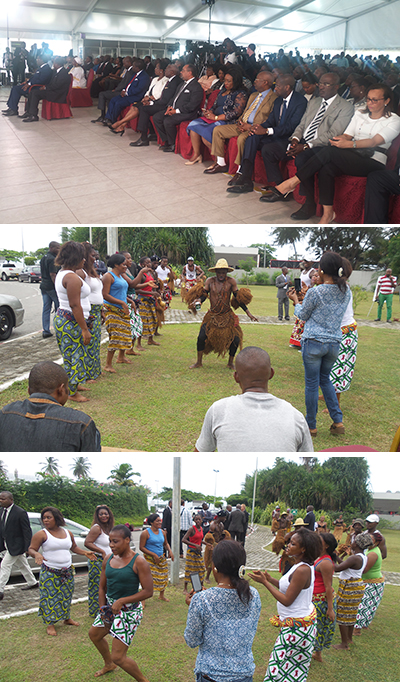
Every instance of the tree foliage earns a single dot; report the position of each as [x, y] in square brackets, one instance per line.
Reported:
[122, 474]
[337, 483]
[10, 255]
[50, 466]
[264, 250]
[288, 234]
[81, 467]
[394, 253]
[362, 246]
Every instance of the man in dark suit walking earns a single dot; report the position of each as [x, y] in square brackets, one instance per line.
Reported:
[134, 91]
[106, 96]
[55, 91]
[271, 137]
[159, 105]
[167, 521]
[183, 106]
[42, 76]
[237, 523]
[15, 538]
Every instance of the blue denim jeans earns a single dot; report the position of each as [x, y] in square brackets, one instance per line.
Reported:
[318, 360]
[49, 297]
[201, 678]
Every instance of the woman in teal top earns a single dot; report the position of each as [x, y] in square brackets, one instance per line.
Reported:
[374, 586]
[121, 610]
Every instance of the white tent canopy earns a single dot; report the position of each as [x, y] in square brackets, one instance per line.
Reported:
[355, 25]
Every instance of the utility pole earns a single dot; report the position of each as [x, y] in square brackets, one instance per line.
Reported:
[254, 492]
[176, 518]
[112, 240]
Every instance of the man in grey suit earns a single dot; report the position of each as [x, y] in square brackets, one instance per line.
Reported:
[283, 283]
[105, 96]
[325, 117]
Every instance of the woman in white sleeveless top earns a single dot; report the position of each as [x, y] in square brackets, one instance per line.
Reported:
[72, 320]
[351, 587]
[89, 274]
[56, 580]
[291, 656]
[97, 540]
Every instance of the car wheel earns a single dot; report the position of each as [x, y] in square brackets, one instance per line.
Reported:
[4, 277]
[6, 324]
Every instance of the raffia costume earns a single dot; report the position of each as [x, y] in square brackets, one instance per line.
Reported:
[220, 324]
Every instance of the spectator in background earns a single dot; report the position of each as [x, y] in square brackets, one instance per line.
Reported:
[186, 523]
[371, 522]
[236, 525]
[309, 519]
[283, 283]
[206, 517]
[167, 521]
[99, 265]
[15, 538]
[385, 287]
[48, 271]
[246, 522]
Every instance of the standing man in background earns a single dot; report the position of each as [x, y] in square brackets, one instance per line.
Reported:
[283, 283]
[15, 538]
[48, 271]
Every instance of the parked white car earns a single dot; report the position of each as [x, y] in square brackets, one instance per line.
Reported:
[11, 315]
[9, 271]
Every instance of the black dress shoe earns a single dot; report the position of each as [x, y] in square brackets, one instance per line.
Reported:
[10, 112]
[273, 196]
[98, 120]
[107, 122]
[287, 318]
[30, 119]
[24, 115]
[152, 137]
[139, 143]
[304, 213]
[30, 587]
[241, 187]
[234, 180]
[215, 169]
[169, 148]
[46, 335]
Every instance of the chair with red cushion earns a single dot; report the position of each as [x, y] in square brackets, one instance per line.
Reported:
[183, 144]
[80, 97]
[52, 110]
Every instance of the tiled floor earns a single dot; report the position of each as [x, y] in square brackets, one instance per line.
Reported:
[72, 171]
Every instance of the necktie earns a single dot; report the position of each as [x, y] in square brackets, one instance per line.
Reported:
[316, 121]
[3, 518]
[251, 108]
[181, 89]
[283, 111]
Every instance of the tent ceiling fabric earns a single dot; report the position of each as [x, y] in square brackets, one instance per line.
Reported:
[310, 24]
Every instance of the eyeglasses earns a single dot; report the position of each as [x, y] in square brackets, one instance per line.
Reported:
[369, 99]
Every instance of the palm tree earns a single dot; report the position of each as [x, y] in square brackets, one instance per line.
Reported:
[50, 466]
[80, 467]
[289, 234]
[122, 475]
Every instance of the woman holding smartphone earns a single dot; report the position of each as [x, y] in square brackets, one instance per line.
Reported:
[232, 607]
[194, 559]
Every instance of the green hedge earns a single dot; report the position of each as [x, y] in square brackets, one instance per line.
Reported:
[77, 500]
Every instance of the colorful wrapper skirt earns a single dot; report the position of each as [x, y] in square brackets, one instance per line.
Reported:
[350, 594]
[297, 332]
[118, 325]
[93, 349]
[94, 572]
[159, 572]
[136, 323]
[343, 369]
[147, 310]
[372, 597]
[325, 627]
[194, 564]
[291, 656]
[125, 623]
[72, 349]
[56, 589]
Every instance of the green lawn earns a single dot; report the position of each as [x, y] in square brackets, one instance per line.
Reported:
[158, 404]
[28, 655]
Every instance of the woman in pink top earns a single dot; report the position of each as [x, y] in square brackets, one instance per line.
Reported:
[194, 559]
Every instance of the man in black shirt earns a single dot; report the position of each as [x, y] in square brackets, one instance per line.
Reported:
[48, 271]
[309, 519]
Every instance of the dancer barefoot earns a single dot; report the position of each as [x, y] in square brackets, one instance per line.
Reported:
[121, 610]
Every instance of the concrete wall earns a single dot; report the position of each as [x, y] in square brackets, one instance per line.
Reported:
[361, 278]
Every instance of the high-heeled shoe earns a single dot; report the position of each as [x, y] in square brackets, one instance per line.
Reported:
[117, 132]
[198, 159]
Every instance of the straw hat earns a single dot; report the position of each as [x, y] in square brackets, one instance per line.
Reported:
[299, 522]
[222, 264]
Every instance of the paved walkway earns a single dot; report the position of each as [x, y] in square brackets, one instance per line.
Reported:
[18, 356]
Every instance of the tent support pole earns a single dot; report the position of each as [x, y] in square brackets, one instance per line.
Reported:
[345, 36]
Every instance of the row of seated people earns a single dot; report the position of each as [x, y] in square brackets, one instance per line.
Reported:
[324, 135]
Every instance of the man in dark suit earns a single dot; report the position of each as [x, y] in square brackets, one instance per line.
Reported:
[133, 92]
[236, 525]
[271, 137]
[167, 521]
[183, 106]
[15, 538]
[106, 95]
[42, 76]
[55, 91]
[105, 68]
[159, 105]
[381, 185]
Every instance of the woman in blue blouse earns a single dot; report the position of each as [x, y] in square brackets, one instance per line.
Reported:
[233, 607]
[227, 108]
[322, 310]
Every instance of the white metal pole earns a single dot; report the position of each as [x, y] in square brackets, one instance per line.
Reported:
[112, 240]
[176, 526]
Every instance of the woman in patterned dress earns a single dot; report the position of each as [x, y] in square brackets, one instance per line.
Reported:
[121, 608]
[291, 656]
[97, 540]
[374, 585]
[308, 278]
[56, 580]
[324, 598]
[232, 608]
[194, 559]
[154, 545]
[91, 277]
